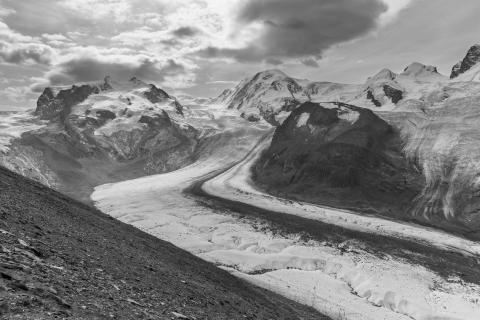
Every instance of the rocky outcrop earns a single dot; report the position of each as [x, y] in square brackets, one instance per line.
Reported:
[341, 155]
[51, 106]
[394, 94]
[471, 59]
[372, 98]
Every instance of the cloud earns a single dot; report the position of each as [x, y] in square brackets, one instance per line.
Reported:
[16, 94]
[54, 37]
[394, 8]
[185, 32]
[274, 61]
[223, 82]
[6, 11]
[85, 68]
[12, 36]
[25, 53]
[300, 28]
[310, 62]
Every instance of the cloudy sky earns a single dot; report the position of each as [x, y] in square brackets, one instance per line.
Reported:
[200, 47]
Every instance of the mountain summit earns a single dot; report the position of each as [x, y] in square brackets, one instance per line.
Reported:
[470, 60]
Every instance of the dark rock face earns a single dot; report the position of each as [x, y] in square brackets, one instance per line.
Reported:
[371, 97]
[51, 106]
[250, 117]
[394, 94]
[471, 59]
[155, 94]
[344, 156]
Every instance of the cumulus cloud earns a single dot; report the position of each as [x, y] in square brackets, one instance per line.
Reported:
[300, 28]
[54, 37]
[25, 53]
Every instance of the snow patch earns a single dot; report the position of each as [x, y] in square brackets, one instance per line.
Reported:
[302, 119]
[348, 115]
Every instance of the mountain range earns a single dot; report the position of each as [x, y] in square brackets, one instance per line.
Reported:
[94, 133]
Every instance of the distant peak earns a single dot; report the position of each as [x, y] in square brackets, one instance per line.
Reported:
[266, 74]
[471, 59]
[384, 74]
[417, 69]
[137, 81]
[272, 71]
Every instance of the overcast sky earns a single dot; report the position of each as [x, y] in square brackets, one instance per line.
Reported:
[200, 47]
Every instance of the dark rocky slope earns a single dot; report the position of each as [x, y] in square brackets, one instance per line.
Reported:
[62, 259]
[342, 156]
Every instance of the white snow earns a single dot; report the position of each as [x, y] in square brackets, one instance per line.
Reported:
[348, 115]
[302, 119]
[13, 124]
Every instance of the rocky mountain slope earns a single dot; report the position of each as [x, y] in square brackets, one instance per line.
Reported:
[340, 155]
[63, 259]
[94, 133]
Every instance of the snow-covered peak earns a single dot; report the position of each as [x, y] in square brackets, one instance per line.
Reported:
[384, 74]
[263, 95]
[471, 59]
[269, 74]
[57, 103]
[419, 70]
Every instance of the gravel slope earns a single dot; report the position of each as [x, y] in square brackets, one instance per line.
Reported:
[62, 259]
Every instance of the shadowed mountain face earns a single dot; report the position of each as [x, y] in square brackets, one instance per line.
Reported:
[102, 132]
[63, 259]
[340, 155]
